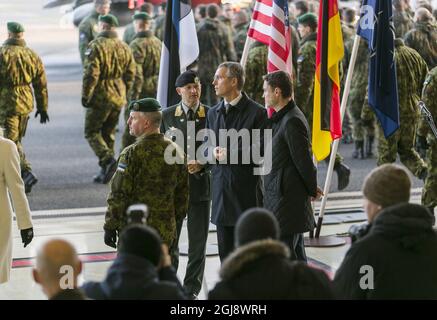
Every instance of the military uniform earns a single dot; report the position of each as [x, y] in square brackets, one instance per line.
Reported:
[88, 31]
[22, 76]
[109, 73]
[411, 72]
[143, 176]
[240, 38]
[423, 39]
[146, 50]
[255, 69]
[215, 47]
[176, 118]
[403, 22]
[429, 97]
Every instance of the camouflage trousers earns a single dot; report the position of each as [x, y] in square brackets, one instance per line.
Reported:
[359, 129]
[402, 143]
[100, 125]
[126, 139]
[14, 129]
[429, 194]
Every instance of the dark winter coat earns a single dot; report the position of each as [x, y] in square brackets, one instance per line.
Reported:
[293, 177]
[398, 257]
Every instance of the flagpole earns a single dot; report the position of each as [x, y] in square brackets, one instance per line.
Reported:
[245, 53]
[337, 141]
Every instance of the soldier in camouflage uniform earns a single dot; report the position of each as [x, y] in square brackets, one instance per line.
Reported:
[146, 50]
[109, 73]
[411, 72]
[145, 175]
[402, 17]
[88, 28]
[423, 38]
[429, 97]
[241, 24]
[22, 76]
[129, 32]
[255, 69]
[304, 96]
[215, 47]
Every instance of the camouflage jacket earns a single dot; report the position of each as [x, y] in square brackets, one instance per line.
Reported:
[360, 76]
[429, 97]
[411, 72]
[256, 68]
[306, 68]
[403, 22]
[21, 69]
[88, 31]
[240, 38]
[146, 49]
[215, 47]
[109, 71]
[143, 176]
[423, 39]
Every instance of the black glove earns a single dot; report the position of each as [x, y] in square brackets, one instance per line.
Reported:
[111, 238]
[85, 103]
[421, 145]
[26, 236]
[44, 116]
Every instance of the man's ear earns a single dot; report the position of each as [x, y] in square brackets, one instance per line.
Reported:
[178, 90]
[79, 268]
[35, 275]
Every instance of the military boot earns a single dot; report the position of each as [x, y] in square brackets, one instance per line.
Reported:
[359, 150]
[29, 180]
[369, 146]
[343, 174]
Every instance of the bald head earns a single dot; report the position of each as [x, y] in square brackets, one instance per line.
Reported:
[52, 256]
[423, 15]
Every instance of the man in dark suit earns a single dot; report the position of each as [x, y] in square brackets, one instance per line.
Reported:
[291, 183]
[233, 182]
[189, 117]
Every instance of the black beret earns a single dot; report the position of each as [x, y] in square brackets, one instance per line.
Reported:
[307, 19]
[141, 16]
[15, 27]
[109, 19]
[186, 77]
[145, 105]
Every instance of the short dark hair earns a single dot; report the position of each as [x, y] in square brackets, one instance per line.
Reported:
[302, 6]
[212, 10]
[147, 7]
[202, 10]
[349, 15]
[234, 70]
[281, 80]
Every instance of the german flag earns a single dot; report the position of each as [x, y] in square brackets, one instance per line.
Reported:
[330, 51]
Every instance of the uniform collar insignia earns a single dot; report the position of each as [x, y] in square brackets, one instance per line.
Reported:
[201, 112]
[178, 112]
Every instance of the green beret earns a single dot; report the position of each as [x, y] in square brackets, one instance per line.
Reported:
[145, 105]
[185, 78]
[308, 19]
[109, 19]
[15, 27]
[141, 16]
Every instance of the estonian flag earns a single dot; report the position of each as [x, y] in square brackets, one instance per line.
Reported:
[330, 51]
[376, 26]
[179, 51]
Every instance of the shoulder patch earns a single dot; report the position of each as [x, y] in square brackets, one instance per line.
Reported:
[121, 167]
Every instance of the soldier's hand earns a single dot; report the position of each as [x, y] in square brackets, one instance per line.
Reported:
[26, 236]
[165, 257]
[44, 117]
[194, 166]
[421, 145]
[85, 103]
[111, 238]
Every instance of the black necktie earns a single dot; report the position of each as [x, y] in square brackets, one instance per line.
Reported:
[190, 115]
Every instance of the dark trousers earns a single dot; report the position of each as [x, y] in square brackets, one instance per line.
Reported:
[225, 239]
[197, 226]
[296, 245]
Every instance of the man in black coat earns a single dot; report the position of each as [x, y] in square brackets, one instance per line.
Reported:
[397, 258]
[185, 120]
[291, 183]
[233, 180]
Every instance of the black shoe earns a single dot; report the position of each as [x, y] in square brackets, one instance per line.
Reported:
[110, 168]
[98, 178]
[29, 180]
[359, 150]
[343, 174]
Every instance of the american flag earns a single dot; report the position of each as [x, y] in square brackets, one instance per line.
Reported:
[270, 25]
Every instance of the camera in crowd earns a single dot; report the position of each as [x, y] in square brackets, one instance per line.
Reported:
[137, 213]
